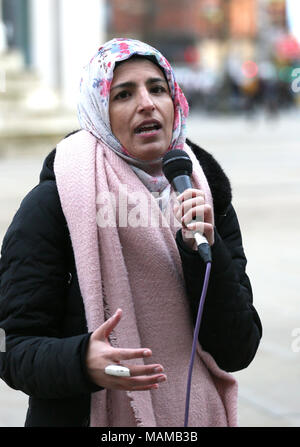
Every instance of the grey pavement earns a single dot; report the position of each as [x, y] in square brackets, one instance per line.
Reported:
[262, 159]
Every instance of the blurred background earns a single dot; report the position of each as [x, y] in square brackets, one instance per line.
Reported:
[238, 63]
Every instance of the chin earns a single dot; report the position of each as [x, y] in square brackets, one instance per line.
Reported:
[150, 153]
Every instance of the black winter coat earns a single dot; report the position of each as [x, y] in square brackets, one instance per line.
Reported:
[42, 313]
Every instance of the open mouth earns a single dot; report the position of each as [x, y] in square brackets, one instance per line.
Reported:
[147, 128]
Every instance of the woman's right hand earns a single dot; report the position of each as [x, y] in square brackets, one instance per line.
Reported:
[100, 354]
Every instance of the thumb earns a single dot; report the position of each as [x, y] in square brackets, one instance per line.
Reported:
[107, 327]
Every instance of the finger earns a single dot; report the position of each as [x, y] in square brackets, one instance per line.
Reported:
[194, 214]
[144, 370]
[134, 383]
[184, 207]
[194, 201]
[200, 227]
[112, 322]
[128, 354]
[137, 387]
[106, 328]
[143, 381]
[191, 204]
[201, 213]
[189, 194]
[146, 388]
[208, 214]
[130, 383]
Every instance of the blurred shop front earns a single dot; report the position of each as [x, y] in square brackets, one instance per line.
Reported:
[225, 51]
[229, 55]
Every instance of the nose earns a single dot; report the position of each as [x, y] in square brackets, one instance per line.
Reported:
[145, 101]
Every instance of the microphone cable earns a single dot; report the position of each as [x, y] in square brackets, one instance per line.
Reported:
[196, 334]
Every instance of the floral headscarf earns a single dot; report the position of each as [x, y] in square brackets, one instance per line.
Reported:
[93, 103]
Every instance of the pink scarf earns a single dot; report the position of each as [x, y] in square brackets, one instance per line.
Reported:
[139, 270]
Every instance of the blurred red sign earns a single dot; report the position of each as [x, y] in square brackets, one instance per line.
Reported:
[288, 47]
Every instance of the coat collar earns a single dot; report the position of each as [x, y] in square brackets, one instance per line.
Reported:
[218, 181]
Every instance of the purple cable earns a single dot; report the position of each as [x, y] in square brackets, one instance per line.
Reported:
[196, 333]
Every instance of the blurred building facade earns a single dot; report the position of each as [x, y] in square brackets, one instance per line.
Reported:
[188, 30]
[209, 42]
[43, 47]
[234, 48]
[55, 38]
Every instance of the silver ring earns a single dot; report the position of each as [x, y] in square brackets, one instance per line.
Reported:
[117, 370]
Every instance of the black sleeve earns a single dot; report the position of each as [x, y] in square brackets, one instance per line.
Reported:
[33, 281]
[231, 329]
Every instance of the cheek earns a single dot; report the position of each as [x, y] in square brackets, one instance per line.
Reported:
[120, 126]
[111, 118]
[115, 122]
[171, 116]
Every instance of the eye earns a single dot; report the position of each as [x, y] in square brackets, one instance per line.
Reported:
[122, 95]
[158, 89]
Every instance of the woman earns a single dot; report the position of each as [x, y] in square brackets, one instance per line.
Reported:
[87, 282]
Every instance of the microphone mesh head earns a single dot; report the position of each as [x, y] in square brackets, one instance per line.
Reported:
[176, 162]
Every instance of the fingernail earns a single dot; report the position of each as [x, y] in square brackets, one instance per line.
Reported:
[147, 353]
[161, 378]
[158, 369]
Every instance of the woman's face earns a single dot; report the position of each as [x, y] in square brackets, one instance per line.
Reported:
[141, 109]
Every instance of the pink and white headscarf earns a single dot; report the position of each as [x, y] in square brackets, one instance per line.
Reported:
[93, 103]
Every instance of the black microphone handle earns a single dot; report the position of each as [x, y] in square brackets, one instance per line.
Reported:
[181, 182]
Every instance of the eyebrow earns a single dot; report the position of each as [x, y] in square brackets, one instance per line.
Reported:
[133, 84]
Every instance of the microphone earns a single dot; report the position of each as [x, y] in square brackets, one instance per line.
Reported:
[177, 168]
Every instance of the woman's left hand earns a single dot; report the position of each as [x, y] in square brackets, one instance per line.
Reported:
[194, 215]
